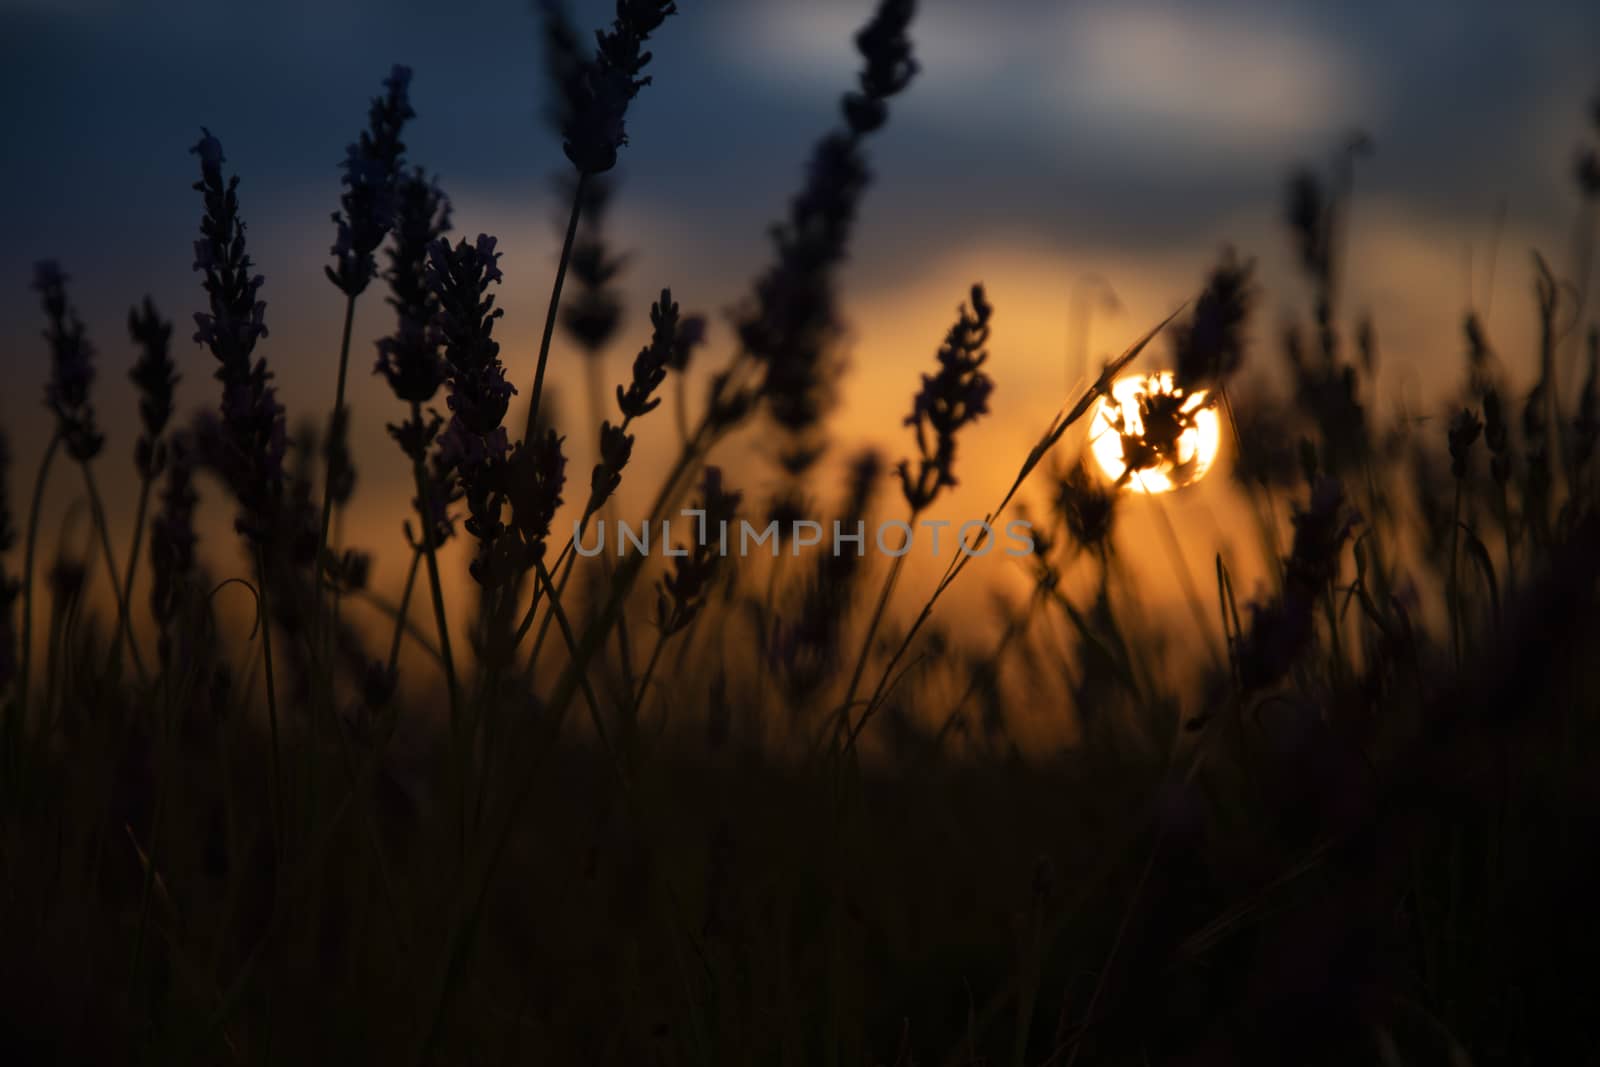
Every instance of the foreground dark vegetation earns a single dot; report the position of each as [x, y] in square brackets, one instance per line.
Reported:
[733, 811]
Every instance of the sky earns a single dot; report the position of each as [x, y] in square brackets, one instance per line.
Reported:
[1066, 154]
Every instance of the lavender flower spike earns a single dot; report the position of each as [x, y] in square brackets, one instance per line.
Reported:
[949, 400]
[474, 444]
[371, 170]
[409, 359]
[71, 365]
[598, 94]
[155, 376]
[253, 438]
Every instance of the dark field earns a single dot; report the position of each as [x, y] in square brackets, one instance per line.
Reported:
[522, 804]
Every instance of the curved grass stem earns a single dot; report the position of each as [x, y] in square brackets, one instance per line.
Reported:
[555, 305]
[97, 507]
[327, 480]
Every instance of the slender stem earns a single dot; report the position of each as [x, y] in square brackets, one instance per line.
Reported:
[272, 692]
[555, 305]
[133, 565]
[599, 627]
[327, 480]
[464, 931]
[441, 617]
[27, 574]
[649, 672]
[884, 594]
[155, 819]
[583, 676]
[404, 609]
[99, 510]
[533, 604]
[1180, 567]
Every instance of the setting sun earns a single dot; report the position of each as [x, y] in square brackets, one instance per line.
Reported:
[1181, 456]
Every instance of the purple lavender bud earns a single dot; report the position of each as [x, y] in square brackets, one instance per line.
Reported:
[598, 91]
[249, 449]
[155, 377]
[371, 172]
[71, 365]
[538, 473]
[681, 594]
[474, 444]
[650, 365]
[957, 395]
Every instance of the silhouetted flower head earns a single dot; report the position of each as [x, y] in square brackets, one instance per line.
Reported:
[1209, 348]
[650, 365]
[1328, 393]
[681, 594]
[564, 62]
[1497, 435]
[1306, 214]
[790, 324]
[537, 475]
[351, 570]
[886, 46]
[460, 277]
[155, 377]
[474, 444]
[234, 322]
[599, 90]
[1281, 629]
[371, 169]
[250, 448]
[616, 448]
[1464, 430]
[1312, 210]
[1480, 358]
[949, 400]
[1587, 173]
[1086, 505]
[71, 365]
[409, 359]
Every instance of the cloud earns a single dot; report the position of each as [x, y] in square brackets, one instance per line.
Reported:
[1219, 77]
[1226, 77]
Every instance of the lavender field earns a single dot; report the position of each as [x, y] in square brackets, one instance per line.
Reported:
[844, 533]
